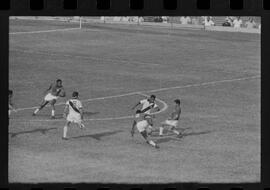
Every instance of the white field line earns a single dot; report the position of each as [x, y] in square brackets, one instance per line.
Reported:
[150, 91]
[165, 106]
[205, 83]
[44, 31]
[86, 100]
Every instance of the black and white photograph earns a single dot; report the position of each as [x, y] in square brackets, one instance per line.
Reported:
[134, 99]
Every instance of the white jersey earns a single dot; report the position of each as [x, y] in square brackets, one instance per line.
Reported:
[146, 104]
[74, 105]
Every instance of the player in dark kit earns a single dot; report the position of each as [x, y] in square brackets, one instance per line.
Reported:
[52, 93]
[173, 120]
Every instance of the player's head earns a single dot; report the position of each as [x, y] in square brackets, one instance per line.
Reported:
[152, 98]
[59, 82]
[75, 94]
[10, 92]
[177, 101]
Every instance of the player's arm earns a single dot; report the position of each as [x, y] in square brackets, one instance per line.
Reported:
[156, 108]
[62, 92]
[176, 114]
[136, 105]
[47, 90]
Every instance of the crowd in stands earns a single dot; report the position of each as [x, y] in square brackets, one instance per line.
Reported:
[229, 21]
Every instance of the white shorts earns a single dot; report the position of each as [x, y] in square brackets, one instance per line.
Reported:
[49, 97]
[74, 118]
[173, 123]
[142, 125]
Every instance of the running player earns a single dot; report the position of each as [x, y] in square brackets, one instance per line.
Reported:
[73, 113]
[147, 105]
[11, 106]
[55, 91]
[142, 127]
[172, 121]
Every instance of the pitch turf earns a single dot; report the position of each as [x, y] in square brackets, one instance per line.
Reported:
[216, 75]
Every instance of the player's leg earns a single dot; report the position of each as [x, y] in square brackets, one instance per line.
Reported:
[161, 128]
[150, 126]
[80, 124]
[133, 128]
[65, 129]
[173, 129]
[53, 108]
[42, 105]
[145, 136]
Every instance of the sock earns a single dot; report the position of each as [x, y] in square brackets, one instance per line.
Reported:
[161, 131]
[176, 132]
[53, 112]
[35, 112]
[152, 143]
[65, 132]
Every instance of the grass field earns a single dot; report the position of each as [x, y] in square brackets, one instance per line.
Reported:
[215, 74]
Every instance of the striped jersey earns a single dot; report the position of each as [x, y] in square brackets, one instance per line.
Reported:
[74, 106]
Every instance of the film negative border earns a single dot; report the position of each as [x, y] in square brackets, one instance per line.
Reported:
[143, 7]
[133, 7]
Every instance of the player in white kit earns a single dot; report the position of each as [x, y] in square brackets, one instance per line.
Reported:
[147, 105]
[143, 127]
[73, 113]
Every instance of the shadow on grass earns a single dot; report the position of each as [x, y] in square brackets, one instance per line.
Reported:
[88, 113]
[43, 131]
[197, 133]
[98, 136]
[173, 137]
[168, 133]
[48, 116]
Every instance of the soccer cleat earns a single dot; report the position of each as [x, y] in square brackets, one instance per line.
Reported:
[34, 114]
[52, 117]
[82, 126]
[156, 146]
[64, 138]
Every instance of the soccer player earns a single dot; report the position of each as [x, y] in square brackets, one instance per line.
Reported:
[55, 91]
[147, 105]
[73, 113]
[11, 106]
[142, 127]
[172, 121]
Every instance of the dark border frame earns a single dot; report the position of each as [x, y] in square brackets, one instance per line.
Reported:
[151, 8]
